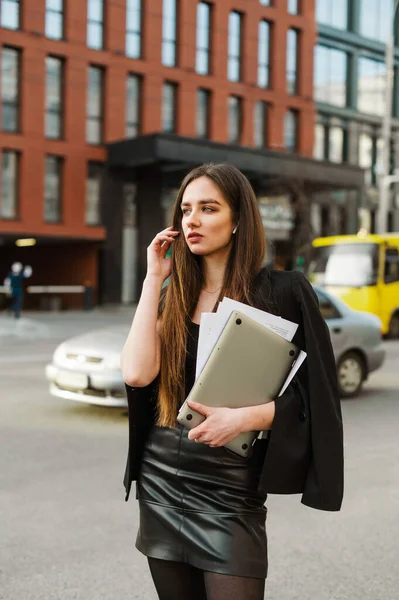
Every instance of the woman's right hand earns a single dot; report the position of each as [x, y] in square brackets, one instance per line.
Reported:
[157, 263]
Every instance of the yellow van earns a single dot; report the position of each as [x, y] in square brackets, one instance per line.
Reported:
[362, 270]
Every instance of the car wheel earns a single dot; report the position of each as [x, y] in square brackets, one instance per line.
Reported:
[393, 333]
[350, 375]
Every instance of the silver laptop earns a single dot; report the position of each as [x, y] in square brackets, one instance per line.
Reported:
[248, 366]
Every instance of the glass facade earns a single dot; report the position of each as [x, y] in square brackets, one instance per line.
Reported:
[10, 67]
[234, 47]
[264, 54]
[169, 105]
[291, 130]
[292, 61]
[261, 111]
[169, 33]
[133, 28]
[93, 188]
[9, 14]
[202, 58]
[9, 184]
[330, 75]
[332, 13]
[54, 25]
[54, 87]
[234, 119]
[94, 107]
[133, 105]
[376, 19]
[95, 25]
[203, 110]
[52, 189]
[371, 86]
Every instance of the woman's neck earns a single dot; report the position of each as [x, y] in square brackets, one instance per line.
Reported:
[214, 270]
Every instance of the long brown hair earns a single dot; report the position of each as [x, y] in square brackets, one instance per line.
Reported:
[179, 301]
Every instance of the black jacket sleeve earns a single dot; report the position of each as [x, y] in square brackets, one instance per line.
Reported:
[324, 484]
[305, 450]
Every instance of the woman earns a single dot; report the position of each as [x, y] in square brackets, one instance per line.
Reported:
[202, 514]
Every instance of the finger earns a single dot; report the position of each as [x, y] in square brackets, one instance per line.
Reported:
[196, 433]
[164, 248]
[200, 408]
[163, 238]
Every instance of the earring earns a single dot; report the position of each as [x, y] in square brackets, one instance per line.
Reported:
[235, 229]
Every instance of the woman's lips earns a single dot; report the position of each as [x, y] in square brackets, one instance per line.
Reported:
[195, 238]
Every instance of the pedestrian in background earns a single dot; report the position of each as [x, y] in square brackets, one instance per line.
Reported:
[202, 513]
[14, 282]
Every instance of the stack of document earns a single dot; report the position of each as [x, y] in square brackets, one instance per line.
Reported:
[212, 325]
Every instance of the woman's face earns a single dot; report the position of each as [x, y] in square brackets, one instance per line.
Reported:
[207, 219]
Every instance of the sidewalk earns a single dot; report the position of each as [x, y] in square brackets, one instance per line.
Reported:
[35, 325]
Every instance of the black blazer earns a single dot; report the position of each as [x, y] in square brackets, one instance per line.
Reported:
[305, 448]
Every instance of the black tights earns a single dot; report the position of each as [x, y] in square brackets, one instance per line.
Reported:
[180, 581]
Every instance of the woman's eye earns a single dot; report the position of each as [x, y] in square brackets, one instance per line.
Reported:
[208, 208]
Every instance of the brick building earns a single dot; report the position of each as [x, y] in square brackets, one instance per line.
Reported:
[107, 103]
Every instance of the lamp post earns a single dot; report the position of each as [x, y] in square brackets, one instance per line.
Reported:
[383, 206]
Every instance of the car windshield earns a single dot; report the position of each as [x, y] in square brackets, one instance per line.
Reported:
[352, 265]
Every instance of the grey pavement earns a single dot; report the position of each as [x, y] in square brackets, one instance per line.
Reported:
[66, 532]
[36, 325]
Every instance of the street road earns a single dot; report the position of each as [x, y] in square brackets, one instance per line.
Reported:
[66, 532]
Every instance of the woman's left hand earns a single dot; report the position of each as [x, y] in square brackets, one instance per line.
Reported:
[220, 427]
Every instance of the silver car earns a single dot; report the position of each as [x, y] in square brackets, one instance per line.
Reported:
[356, 339]
[86, 368]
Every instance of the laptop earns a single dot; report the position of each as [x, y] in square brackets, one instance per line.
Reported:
[248, 366]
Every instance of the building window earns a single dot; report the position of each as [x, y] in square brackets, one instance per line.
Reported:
[371, 86]
[203, 106]
[330, 140]
[234, 47]
[133, 105]
[10, 68]
[264, 54]
[52, 189]
[292, 61]
[202, 60]
[93, 189]
[261, 114]
[54, 19]
[133, 28]
[9, 184]
[291, 130]
[54, 92]
[9, 14]
[94, 117]
[371, 154]
[235, 119]
[330, 75]
[95, 24]
[334, 14]
[293, 7]
[319, 147]
[169, 33]
[376, 19]
[169, 105]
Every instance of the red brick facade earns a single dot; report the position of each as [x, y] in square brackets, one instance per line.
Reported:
[33, 146]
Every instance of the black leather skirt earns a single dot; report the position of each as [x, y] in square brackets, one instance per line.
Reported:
[200, 505]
